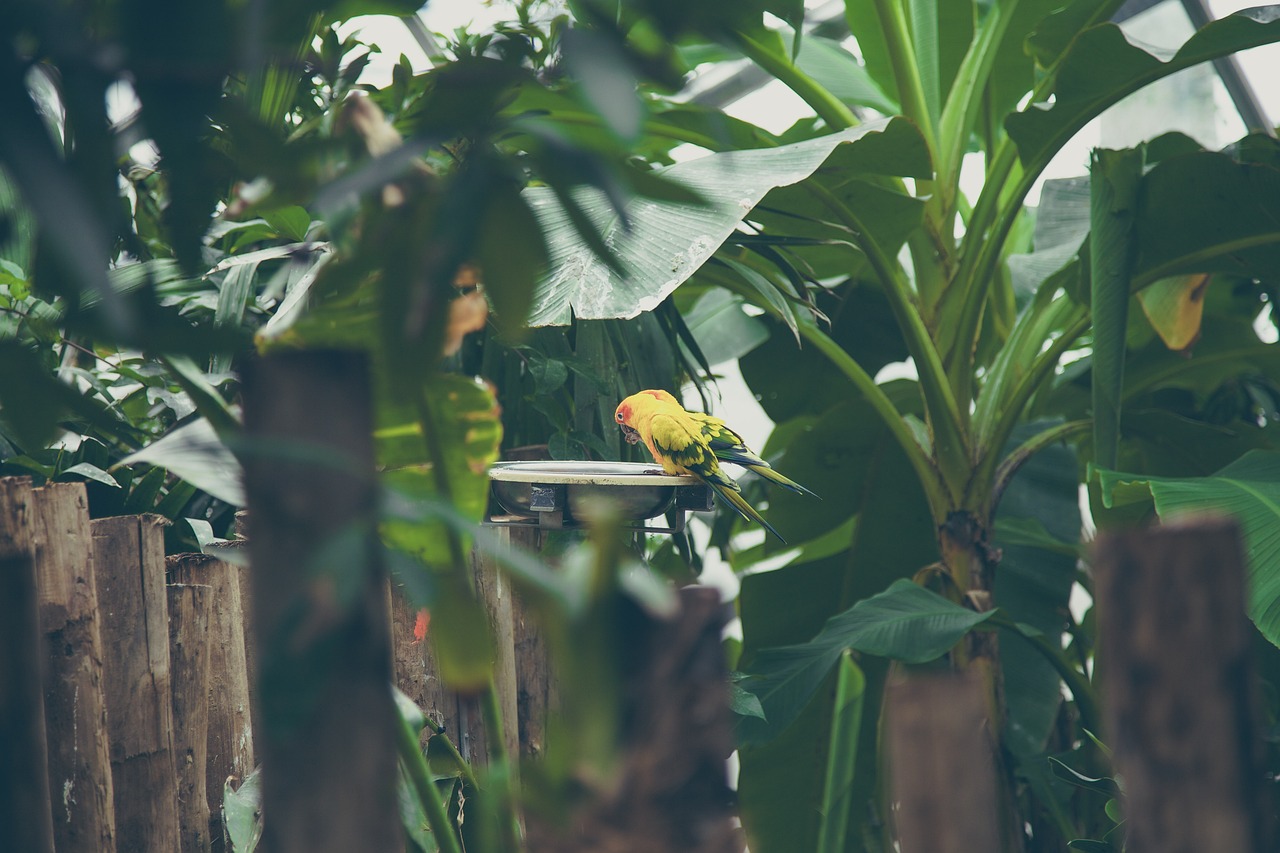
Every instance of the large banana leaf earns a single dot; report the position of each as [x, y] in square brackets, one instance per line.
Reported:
[1247, 489]
[1101, 67]
[906, 622]
[661, 243]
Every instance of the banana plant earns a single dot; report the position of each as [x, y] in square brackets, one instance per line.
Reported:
[859, 243]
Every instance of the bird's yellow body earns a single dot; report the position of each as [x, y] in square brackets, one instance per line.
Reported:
[685, 442]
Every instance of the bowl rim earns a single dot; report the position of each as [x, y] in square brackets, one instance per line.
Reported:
[591, 474]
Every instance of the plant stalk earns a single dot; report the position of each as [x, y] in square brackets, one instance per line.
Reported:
[828, 107]
[950, 445]
[415, 766]
[500, 761]
[889, 415]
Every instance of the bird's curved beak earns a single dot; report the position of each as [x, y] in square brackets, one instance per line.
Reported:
[631, 435]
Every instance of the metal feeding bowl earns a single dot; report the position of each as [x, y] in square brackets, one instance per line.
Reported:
[562, 494]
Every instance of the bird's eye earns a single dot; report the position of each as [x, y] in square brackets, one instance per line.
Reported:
[619, 417]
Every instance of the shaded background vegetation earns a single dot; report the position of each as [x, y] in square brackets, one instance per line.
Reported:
[184, 186]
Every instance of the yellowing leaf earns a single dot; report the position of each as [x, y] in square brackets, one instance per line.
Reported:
[1174, 306]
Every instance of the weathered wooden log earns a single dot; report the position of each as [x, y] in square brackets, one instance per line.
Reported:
[1179, 683]
[189, 643]
[74, 707]
[526, 691]
[327, 745]
[415, 669]
[128, 564]
[940, 764]
[25, 812]
[669, 792]
[230, 727]
[535, 682]
[493, 590]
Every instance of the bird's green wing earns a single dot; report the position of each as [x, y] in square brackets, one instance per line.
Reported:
[728, 446]
[679, 438]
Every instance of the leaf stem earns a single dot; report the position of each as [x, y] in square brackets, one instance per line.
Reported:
[964, 103]
[415, 766]
[1015, 460]
[944, 414]
[1011, 408]
[1081, 689]
[883, 406]
[830, 108]
[468, 775]
[906, 73]
[500, 762]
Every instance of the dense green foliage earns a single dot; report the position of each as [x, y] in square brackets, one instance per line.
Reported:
[184, 185]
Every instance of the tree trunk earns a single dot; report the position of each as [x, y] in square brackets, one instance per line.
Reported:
[324, 666]
[128, 563]
[74, 706]
[971, 561]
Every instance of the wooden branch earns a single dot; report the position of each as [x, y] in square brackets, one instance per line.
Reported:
[74, 705]
[25, 813]
[1178, 679]
[128, 564]
[327, 745]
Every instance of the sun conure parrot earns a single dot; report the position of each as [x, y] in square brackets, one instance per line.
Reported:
[685, 442]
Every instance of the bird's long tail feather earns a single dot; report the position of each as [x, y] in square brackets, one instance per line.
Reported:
[738, 454]
[744, 509]
[787, 483]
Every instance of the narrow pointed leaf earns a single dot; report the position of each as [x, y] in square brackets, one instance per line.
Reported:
[1115, 176]
[842, 757]
[196, 454]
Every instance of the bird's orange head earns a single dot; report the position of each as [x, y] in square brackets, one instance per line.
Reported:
[633, 408]
[625, 416]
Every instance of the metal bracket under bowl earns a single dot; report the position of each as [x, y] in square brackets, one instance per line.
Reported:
[559, 495]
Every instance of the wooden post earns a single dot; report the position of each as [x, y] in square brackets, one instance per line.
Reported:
[189, 660]
[535, 685]
[230, 742]
[25, 814]
[128, 564]
[74, 707]
[416, 673]
[327, 745]
[1180, 710]
[669, 792]
[940, 765]
[494, 593]
[522, 673]
[246, 605]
